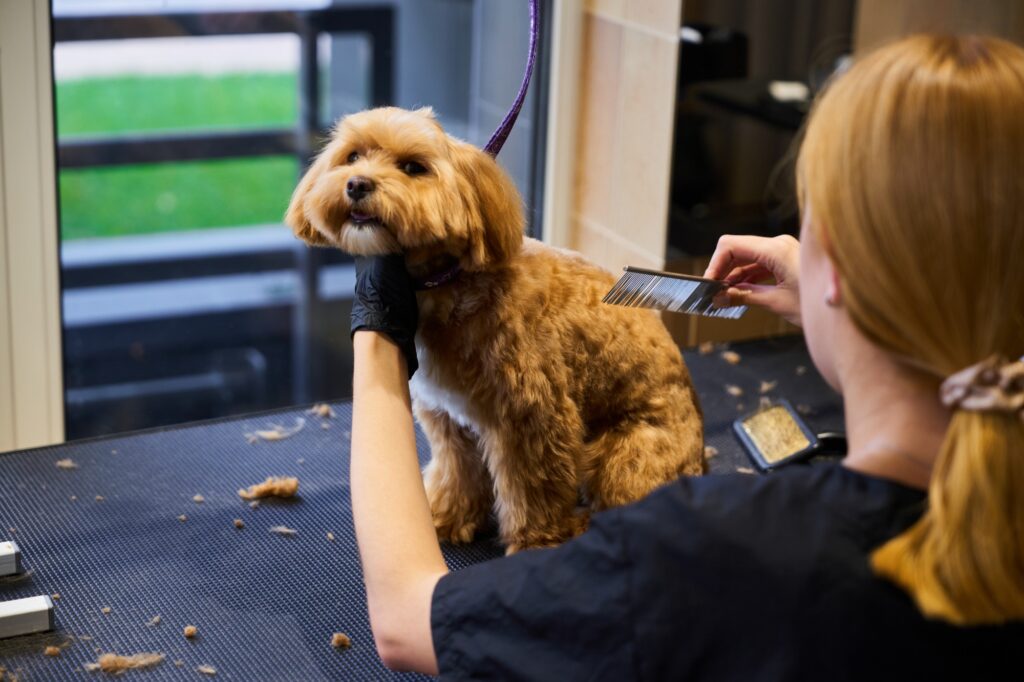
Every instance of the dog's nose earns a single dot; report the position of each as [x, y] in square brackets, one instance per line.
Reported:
[358, 187]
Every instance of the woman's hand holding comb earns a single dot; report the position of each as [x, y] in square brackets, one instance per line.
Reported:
[747, 263]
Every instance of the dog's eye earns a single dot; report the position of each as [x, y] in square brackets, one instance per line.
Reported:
[353, 157]
[413, 168]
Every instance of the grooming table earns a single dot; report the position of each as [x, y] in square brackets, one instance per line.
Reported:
[265, 605]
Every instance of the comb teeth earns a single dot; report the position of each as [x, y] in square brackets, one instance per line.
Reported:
[668, 291]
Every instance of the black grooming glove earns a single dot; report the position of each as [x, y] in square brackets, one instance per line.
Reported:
[386, 302]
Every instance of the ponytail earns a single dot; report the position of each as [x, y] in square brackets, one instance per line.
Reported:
[963, 561]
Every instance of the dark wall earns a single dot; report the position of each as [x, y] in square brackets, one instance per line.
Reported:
[787, 40]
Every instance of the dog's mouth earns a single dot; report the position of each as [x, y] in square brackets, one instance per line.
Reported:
[361, 220]
[365, 234]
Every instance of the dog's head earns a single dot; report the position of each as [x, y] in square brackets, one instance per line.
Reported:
[391, 181]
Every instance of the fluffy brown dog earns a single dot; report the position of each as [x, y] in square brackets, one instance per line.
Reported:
[530, 390]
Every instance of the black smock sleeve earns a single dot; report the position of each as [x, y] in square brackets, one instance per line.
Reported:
[550, 614]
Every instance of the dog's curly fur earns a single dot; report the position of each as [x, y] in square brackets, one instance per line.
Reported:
[530, 390]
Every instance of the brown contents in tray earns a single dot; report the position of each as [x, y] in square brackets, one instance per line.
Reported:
[775, 433]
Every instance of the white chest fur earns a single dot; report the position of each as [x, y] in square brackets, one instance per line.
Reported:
[429, 392]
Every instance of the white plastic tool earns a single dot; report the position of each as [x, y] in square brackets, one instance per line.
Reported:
[22, 616]
[10, 558]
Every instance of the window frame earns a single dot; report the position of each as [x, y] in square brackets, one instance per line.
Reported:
[31, 355]
[31, 371]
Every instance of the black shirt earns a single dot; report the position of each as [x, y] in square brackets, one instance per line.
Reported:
[732, 577]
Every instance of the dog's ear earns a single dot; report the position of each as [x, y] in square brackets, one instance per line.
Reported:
[295, 216]
[495, 215]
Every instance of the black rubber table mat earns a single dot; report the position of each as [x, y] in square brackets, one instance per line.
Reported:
[265, 605]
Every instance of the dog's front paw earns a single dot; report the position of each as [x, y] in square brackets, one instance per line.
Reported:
[455, 531]
[538, 539]
[456, 521]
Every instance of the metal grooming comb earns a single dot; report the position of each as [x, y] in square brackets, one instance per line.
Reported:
[640, 288]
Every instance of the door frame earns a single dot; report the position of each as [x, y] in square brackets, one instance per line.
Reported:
[31, 364]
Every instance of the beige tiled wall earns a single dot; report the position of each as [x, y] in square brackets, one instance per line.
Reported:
[627, 100]
[627, 114]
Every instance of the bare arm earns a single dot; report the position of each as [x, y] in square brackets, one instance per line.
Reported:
[401, 557]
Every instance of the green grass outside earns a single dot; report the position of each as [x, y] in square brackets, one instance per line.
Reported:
[133, 104]
[122, 200]
[140, 199]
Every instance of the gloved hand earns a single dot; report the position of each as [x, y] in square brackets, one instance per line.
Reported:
[385, 301]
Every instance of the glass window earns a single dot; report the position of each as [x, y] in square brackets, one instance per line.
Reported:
[182, 129]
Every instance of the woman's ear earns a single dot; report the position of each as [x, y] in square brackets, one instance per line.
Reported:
[834, 292]
[295, 217]
[498, 234]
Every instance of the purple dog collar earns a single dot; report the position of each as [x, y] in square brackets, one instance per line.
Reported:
[437, 279]
[499, 136]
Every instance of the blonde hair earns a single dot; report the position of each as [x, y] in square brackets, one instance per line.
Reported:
[913, 164]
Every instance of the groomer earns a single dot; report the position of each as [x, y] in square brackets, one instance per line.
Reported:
[906, 561]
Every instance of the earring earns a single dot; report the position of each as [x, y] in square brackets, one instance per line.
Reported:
[832, 300]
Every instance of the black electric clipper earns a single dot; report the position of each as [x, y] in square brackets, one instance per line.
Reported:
[775, 435]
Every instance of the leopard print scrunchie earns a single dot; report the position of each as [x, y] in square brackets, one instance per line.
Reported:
[993, 385]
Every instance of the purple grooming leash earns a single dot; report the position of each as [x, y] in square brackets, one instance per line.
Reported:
[496, 142]
[499, 136]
